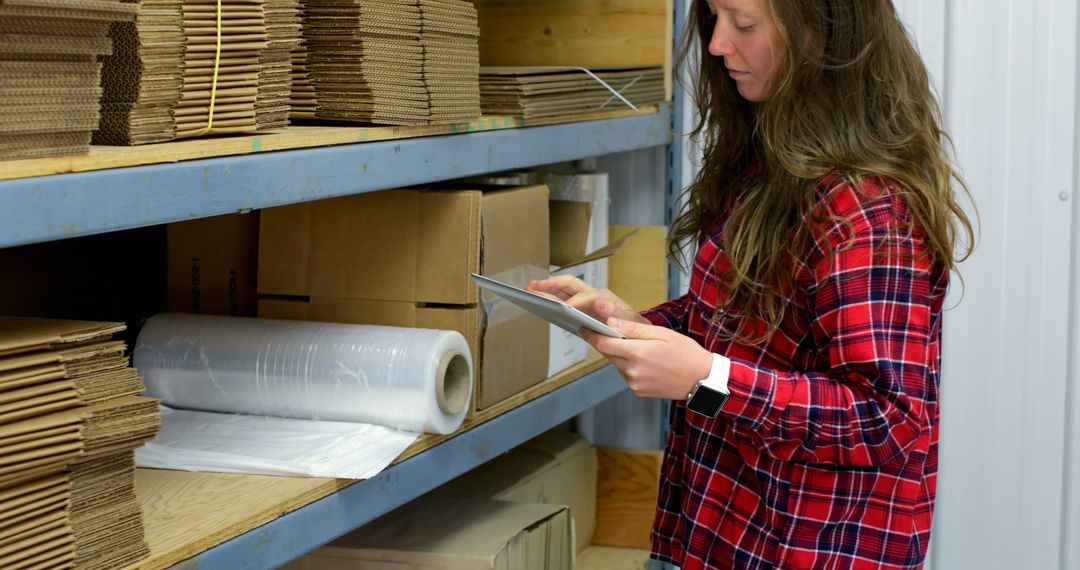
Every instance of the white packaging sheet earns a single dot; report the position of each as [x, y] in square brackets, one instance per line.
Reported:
[297, 398]
[260, 445]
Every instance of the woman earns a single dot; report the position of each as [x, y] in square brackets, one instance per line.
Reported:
[803, 363]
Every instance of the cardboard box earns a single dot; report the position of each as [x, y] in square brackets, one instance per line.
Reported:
[403, 245]
[556, 467]
[212, 265]
[638, 273]
[403, 258]
[570, 224]
[509, 355]
[454, 532]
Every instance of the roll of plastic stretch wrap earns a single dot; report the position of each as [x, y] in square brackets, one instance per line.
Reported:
[408, 379]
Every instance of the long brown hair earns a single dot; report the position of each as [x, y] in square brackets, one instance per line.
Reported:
[852, 98]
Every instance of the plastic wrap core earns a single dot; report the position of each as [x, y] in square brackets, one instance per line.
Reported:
[453, 387]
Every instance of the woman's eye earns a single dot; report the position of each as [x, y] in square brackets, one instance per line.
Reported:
[744, 28]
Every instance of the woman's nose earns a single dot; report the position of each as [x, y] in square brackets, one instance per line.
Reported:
[720, 44]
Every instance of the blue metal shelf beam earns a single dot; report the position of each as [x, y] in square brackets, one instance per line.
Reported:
[303, 530]
[69, 205]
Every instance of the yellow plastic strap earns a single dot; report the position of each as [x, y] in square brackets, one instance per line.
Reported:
[213, 82]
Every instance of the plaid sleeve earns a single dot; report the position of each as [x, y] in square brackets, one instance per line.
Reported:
[670, 315]
[871, 310]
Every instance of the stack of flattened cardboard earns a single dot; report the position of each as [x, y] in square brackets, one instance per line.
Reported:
[546, 91]
[303, 102]
[50, 74]
[366, 60]
[69, 422]
[451, 59]
[275, 68]
[221, 79]
[143, 76]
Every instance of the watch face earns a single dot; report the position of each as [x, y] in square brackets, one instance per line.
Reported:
[706, 401]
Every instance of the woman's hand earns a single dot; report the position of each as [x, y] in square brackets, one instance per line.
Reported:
[600, 304]
[656, 362]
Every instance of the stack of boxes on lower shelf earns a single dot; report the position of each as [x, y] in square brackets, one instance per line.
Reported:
[70, 420]
[533, 508]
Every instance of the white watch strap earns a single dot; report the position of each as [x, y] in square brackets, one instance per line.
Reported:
[718, 374]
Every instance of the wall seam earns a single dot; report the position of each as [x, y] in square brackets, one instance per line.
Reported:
[1068, 556]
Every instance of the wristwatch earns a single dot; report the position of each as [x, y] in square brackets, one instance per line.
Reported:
[709, 395]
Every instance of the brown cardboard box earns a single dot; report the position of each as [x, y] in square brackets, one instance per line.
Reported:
[556, 467]
[212, 265]
[402, 245]
[454, 532]
[638, 273]
[403, 258]
[569, 230]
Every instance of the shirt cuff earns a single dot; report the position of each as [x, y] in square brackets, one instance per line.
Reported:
[718, 374]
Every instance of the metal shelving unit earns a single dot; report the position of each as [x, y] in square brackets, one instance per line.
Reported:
[46, 208]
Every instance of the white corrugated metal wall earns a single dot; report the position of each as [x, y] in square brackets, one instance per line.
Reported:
[1007, 75]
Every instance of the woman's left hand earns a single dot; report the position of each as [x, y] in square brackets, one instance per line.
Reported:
[656, 362]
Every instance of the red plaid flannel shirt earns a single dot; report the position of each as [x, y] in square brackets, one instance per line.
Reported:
[825, 455]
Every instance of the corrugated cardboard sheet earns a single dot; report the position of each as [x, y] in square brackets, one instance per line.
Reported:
[69, 422]
[170, 68]
[541, 91]
[450, 36]
[50, 74]
[365, 60]
[143, 76]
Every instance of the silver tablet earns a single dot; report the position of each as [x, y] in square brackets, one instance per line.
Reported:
[551, 310]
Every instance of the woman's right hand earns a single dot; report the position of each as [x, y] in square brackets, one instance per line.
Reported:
[600, 304]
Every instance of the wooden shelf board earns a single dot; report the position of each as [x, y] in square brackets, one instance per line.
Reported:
[293, 137]
[609, 558]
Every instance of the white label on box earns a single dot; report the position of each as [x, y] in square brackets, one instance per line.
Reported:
[566, 349]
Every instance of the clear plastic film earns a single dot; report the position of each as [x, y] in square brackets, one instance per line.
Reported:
[262, 445]
[407, 379]
[497, 310]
